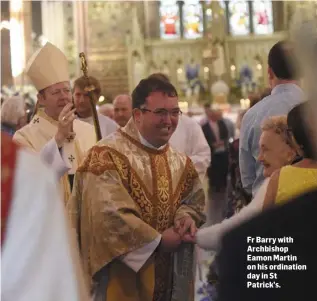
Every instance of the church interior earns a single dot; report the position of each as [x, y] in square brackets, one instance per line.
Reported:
[213, 51]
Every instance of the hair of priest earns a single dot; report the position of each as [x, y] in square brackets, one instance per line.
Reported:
[160, 75]
[148, 86]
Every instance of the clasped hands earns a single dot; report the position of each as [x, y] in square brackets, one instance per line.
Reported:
[184, 230]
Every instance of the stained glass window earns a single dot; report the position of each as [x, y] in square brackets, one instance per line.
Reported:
[192, 19]
[169, 19]
[239, 18]
[262, 17]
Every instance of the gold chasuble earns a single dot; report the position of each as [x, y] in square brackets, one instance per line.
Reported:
[42, 129]
[125, 195]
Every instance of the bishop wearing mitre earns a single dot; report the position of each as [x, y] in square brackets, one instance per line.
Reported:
[54, 133]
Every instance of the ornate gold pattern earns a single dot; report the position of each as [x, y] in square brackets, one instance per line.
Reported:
[124, 160]
[187, 181]
[97, 161]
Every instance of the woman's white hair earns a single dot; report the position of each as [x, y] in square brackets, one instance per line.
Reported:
[278, 124]
[12, 110]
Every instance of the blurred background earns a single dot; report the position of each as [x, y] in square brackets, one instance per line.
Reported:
[213, 51]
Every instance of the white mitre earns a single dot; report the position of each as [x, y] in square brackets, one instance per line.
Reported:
[47, 66]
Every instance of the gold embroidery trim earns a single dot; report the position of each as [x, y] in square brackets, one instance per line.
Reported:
[104, 158]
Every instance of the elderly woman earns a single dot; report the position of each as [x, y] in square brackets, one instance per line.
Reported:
[297, 179]
[277, 148]
[13, 114]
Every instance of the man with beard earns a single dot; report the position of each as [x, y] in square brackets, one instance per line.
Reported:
[53, 132]
[83, 106]
[135, 203]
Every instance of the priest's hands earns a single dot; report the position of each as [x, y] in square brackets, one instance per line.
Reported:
[170, 240]
[186, 228]
[65, 124]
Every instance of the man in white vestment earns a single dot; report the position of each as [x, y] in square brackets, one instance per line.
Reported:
[38, 259]
[189, 139]
[54, 133]
[83, 107]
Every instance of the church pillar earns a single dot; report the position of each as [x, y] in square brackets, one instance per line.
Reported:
[279, 23]
[20, 38]
[251, 17]
[6, 73]
[181, 17]
[203, 8]
[152, 19]
[80, 30]
[53, 23]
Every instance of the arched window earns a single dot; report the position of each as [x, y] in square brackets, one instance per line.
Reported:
[262, 17]
[169, 19]
[193, 19]
[239, 17]
[187, 18]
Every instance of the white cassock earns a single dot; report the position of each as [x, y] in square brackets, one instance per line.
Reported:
[38, 260]
[189, 139]
[209, 238]
[107, 125]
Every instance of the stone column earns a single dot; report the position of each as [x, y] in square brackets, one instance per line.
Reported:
[6, 72]
[152, 19]
[251, 17]
[203, 8]
[53, 23]
[20, 38]
[80, 30]
[181, 18]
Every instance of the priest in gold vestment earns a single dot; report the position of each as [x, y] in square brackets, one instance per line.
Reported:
[53, 132]
[136, 205]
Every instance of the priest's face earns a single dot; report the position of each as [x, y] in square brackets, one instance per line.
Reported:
[54, 98]
[158, 118]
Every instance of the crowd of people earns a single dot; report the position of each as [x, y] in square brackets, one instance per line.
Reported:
[120, 218]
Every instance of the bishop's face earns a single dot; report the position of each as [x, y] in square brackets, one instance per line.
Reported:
[54, 98]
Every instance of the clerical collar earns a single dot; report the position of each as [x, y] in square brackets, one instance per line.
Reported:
[147, 144]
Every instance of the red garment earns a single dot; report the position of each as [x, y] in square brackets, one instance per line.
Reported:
[8, 161]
